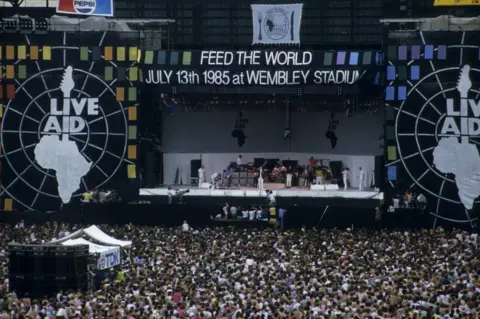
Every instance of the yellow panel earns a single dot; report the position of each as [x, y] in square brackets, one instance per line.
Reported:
[132, 171]
[1, 111]
[22, 52]
[8, 205]
[10, 54]
[120, 94]
[392, 153]
[133, 74]
[1, 52]
[132, 151]
[47, 53]
[108, 54]
[455, 3]
[121, 54]
[132, 113]
[10, 74]
[34, 52]
[132, 53]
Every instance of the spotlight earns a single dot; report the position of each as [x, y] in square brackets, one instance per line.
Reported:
[10, 25]
[26, 25]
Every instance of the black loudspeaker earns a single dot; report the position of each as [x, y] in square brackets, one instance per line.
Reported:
[150, 170]
[257, 162]
[271, 163]
[380, 172]
[291, 163]
[336, 168]
[195, 165]
[44, 270]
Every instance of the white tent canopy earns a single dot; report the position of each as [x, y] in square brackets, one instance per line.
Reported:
[95, 233]
[109, 256]
[92, 247]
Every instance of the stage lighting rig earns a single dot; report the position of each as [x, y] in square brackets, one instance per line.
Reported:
[10, 25]
[41, 25]
[26, 25]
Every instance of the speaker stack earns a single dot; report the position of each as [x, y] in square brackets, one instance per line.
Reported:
[44, 270]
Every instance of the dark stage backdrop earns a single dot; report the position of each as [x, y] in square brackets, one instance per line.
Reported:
[69, 111]
[263, 132]
[432, 117]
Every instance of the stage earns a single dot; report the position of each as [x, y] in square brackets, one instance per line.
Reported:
[251, 196]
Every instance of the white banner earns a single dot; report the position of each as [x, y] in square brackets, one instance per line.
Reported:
[109, 259]
[276, 24]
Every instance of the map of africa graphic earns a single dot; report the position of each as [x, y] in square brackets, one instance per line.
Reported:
[64, 157]
[463, 160]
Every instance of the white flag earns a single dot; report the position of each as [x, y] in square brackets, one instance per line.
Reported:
[277, 23]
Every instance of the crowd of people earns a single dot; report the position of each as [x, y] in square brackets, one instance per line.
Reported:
[233, 273]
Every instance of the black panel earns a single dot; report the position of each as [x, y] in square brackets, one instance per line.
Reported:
[194, 167]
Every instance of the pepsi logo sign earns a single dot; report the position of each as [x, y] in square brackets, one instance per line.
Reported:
[84, 6]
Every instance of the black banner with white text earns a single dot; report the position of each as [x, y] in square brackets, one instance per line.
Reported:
[255, 68]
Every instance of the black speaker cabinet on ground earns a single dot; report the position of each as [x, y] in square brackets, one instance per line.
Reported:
[336, 167]
[195, 165]
[44, 270]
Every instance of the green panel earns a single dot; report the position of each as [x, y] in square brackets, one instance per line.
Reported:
[84, 54]
[108, 73]
[22, 72]
[328, 58]
[187, 58]
[132, 93]
[392, 53]
[148, 57]
[132, 132]
[367, 58]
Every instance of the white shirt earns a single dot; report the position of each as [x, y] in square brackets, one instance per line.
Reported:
[361, 174]
[171, 193]
[239, 161]
[185, 228]
[214, 176]
[201, 173]
[345, 174]
[233, 210]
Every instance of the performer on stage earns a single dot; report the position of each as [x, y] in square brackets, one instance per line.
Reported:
[201, 176]
[361, 177]
[346, 177]
[239, 160]
[289, 177]
[260, 178]
[215, 179]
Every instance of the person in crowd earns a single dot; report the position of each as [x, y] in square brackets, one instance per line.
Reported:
[225, 272]
[185, 227]
[281, 215]
[226, 210]
[233, 212]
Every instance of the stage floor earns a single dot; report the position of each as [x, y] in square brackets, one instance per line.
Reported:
[352, 193]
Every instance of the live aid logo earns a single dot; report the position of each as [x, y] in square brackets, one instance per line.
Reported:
[64, 121]
[468, 112]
